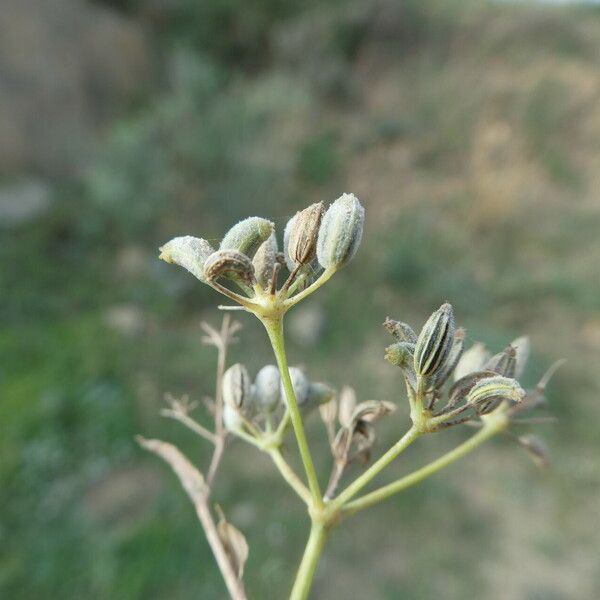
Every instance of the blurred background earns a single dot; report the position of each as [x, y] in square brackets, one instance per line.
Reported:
[470, 131]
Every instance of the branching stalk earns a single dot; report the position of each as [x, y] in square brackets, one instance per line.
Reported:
[489, 430]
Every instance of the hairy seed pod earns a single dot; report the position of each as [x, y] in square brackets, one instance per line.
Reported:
[300, 236]
[229, 263]
[522, 348]
[489, 393]
[300, 384]
[267, 388]
[187, 252]
[400, 354]
[472, 360]
[504, 363]
[232, 419]
[341, 232]
[264, 261]
[434, 341]
[452, 358]
[247, 235]
[236, 387]
[459, 390]
[402, 332]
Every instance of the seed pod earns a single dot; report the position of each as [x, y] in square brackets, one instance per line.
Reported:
[489, 393]
[347, 402]
[300, 236]
[341, 232]
[504, 363]
[232, 419]
[400, 354]
[300, 384]
[236, 387]
[318, 394]
[452, 358]
[464, 385]
[247, 235]
[267, 388]
[264, 261]
[187, 252]
[328, 411]
[522, 348]
[401, 331]
[471, 361]
[434, 341]
[229, 263]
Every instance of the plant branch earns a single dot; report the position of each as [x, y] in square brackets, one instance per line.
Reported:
[288, 474]
[326, 275]
[489, 430]
[275, 331]
[193, 483]
[310, 559]
[190, 423]
[404, 442]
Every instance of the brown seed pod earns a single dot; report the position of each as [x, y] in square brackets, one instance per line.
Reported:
[301, 233]
[229, 263]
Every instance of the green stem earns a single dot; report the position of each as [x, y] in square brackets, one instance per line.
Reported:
[288, 474]
[488, 431]
[404, 442]
[310, 560]
[275, 331]
[326, 275]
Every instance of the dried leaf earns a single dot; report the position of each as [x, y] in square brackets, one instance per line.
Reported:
[234, 542]
[472, 360]
[190, 477]
[536, 449]
[371, 411]
[328, 411]
[522, 348]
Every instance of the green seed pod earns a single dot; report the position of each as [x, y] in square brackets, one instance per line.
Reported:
[300, 384]
[452, 358]
[300, 236]
[267, 388]
[472, 360]
[434, 341]
[341, 232]
[264, 261]
[400, 354]
[229, 263]
[247, 235]
[401, 331]
[504, 363]
[489, 393]
[187, 252]
[236, 387]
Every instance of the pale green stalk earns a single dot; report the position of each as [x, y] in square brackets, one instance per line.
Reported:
[288, 474]
[310, 560]
[326, 275]
[275, 331]
[491, 428]
[359, 483]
